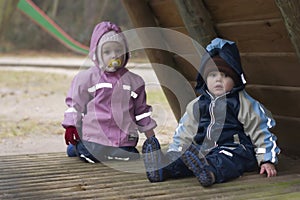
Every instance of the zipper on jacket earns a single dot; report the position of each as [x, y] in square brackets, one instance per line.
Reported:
[211, 113]
[212, 118]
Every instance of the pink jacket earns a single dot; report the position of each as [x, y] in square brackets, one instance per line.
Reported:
[109, 108]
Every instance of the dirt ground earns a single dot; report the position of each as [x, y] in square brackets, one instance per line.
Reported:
[32, 107]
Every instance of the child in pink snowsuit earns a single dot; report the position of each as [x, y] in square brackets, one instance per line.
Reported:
[107, 103]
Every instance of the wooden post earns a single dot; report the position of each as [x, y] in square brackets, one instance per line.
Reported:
[142, 16]
[290, 10]
[197, 20]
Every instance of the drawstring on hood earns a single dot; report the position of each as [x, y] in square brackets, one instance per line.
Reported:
[228, 51]
[104, 32]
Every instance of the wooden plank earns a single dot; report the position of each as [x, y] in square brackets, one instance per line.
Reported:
[55, 176]
[180, 29]
[197, 20]
[271, 69]
[180, 43]
[287, 132]
[242, 10]
[283, 101]
[290, 10]
[140, 13]
[257, 36]
[163, 9]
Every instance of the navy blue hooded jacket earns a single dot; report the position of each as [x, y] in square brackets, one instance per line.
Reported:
[232, 119]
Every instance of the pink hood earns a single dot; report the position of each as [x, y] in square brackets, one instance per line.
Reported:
[99, 30]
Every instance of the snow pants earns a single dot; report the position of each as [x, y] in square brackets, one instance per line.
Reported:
[226, 162]
[93, 152]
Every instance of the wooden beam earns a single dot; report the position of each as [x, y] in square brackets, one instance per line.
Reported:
[277, 69]
[290, 10]
[257, 36]
[139, 13]
[163, 10]
[274, 97]
[141, 16]
[197, 20]
[224, 11]
[287, 131]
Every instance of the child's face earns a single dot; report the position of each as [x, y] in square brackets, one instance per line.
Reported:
[219, 83]
[113, 54]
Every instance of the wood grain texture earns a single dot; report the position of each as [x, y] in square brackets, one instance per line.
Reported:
[283, 101]
[242, 10]
[277, 69]
[257, 36]
[290, 11]
[267, 35]
[55, 176]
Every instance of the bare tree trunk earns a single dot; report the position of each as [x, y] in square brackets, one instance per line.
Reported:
[7, 8]
[54, 8]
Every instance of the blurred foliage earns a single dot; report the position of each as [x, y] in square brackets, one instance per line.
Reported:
[75, 17]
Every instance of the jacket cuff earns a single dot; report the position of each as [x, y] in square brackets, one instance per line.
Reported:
[148, 127]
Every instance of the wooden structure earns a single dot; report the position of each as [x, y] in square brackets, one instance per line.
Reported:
[267, 33]
[56, 177]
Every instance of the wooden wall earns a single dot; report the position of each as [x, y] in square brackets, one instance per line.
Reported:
[269, 55]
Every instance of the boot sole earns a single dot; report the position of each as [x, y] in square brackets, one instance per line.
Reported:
[152, 160]
[197, 166]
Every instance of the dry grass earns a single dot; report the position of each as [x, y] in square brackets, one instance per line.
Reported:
[31, 102]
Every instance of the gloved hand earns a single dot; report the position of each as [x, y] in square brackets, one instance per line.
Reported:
[71, 135]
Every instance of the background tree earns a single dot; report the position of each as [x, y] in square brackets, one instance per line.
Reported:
[7, 8]
[77, 18]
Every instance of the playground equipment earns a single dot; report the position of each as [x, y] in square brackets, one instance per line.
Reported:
[41, 19]
[267, 34]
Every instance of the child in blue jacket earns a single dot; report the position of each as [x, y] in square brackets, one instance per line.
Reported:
[224, 131]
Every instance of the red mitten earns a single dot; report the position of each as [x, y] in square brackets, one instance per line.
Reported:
[71, 135]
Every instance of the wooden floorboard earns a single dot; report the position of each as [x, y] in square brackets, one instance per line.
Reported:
[55, 176]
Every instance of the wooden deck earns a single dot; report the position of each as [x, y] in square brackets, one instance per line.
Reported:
[55, 176]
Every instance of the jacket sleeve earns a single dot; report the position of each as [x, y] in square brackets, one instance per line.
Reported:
[76, 101]
[142, 110]
[257, 122]
[187, 127]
